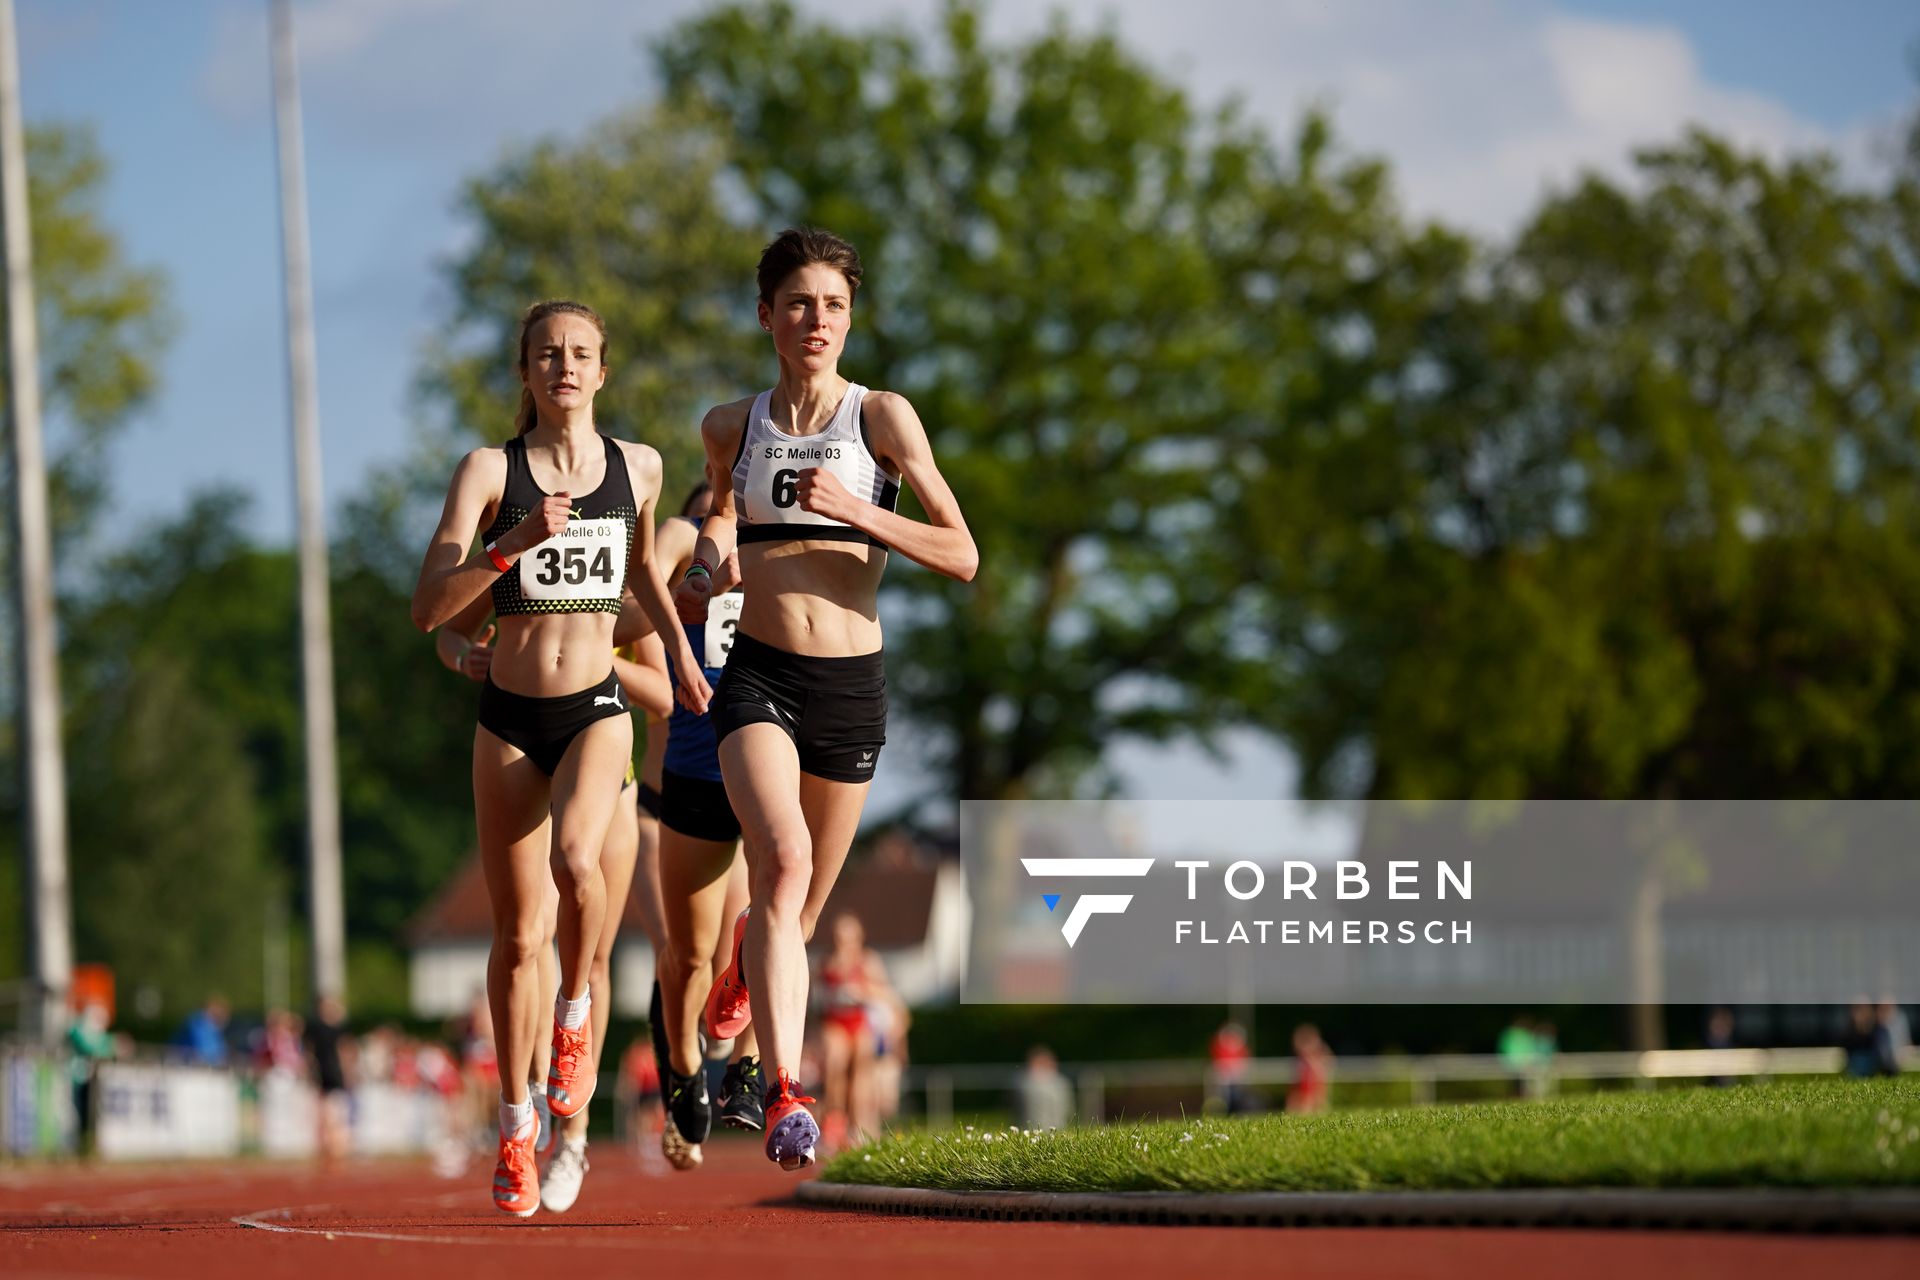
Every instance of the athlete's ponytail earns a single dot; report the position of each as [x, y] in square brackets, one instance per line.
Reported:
[525, 417]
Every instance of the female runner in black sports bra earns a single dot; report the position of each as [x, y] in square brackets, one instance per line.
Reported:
[554, 735]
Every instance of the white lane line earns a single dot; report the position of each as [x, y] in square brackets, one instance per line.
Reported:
[333, 1233]
[446, 1199]
[546, 1238]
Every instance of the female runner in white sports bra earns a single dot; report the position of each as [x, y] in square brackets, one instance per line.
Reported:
[805, 477]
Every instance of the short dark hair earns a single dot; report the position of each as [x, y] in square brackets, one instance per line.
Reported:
[798, 247]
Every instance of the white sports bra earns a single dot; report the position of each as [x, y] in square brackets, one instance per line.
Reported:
[768, 466]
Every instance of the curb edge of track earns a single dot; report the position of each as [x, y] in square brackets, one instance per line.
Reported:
[1627, 1209]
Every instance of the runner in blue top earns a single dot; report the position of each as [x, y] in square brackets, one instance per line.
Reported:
[702, 875]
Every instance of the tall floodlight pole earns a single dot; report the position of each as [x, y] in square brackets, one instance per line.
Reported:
[46, 807]
[326, 915]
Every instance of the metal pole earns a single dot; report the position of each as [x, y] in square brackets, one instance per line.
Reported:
[48, 906]
[326, 916]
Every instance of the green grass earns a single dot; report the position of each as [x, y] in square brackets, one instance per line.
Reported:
[1805, 1134]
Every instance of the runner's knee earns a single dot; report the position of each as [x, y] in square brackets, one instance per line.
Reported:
[575, 865]
[518, 941]
[685, 966]
[786, 873]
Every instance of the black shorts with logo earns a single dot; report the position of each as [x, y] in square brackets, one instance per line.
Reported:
[544, 728]
[834, 709]
[697, 808]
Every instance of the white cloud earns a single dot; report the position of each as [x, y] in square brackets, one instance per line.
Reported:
[389, 75]
[1479, 104]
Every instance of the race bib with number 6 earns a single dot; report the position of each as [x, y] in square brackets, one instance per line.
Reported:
[584, 561]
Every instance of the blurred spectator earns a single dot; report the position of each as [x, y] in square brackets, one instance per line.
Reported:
[435, 1068]
[1517, 1045]
[844, 987]
[280, 1046]
[1891, 1038]
[889, 1017]
[481, 1068]
[1862, 1057]
[1315, 1074]
[203, 1036]
[1720, 1036]
[325, 1035]
[1231, 1057]
[91, 1044]
[379, 1054]
[1046, 1099]
[1526, 1049]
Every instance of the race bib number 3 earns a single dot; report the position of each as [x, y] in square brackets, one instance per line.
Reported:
[584, 561]
[723, 618]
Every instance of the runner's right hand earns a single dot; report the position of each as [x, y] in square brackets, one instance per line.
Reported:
[691, 596]
[477, 661]
[545, 520]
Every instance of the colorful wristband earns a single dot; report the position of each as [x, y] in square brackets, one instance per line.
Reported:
[700, 567]
[500, 562]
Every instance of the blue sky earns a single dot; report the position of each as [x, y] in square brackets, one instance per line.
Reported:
[1480, 104]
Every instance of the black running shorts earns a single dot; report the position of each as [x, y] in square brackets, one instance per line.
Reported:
[545, 727]
[648, 801]
[697, 808]
[834, 709]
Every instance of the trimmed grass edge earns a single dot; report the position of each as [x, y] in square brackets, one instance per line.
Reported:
[1875, 1212]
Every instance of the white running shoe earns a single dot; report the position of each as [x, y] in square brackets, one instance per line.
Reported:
[545, 1131]
[680, 1153]
[560, 1185]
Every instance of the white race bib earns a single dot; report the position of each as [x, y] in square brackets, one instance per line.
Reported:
[723, 617]
[587, 560]
[773, 477]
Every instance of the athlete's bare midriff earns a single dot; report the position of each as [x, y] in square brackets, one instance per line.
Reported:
[812, 598]
[549, 655]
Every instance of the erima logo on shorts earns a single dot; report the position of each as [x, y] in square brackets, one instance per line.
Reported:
[1093, 904]
[866, 760]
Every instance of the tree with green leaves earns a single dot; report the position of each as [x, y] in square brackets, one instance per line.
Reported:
[632, 220]
[1071, 273]
[190, 625]
[1645, 528]
[103, 321]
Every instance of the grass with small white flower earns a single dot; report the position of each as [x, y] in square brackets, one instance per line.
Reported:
[1825, 1133]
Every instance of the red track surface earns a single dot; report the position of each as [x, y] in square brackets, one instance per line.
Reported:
[399, 1220]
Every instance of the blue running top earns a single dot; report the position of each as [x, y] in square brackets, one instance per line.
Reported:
[692, 750]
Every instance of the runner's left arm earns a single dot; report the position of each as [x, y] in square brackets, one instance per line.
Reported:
[644, 580]
[942, 543]
[646, 683]
[464, 645]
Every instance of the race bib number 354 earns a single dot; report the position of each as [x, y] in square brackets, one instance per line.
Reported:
[584, 561]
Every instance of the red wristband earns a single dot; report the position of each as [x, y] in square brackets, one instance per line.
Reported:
[500, 562]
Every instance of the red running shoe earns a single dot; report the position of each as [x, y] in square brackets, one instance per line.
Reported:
[728, 1011]
[792, 1133]
[570, 1077]
[516, 1183]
